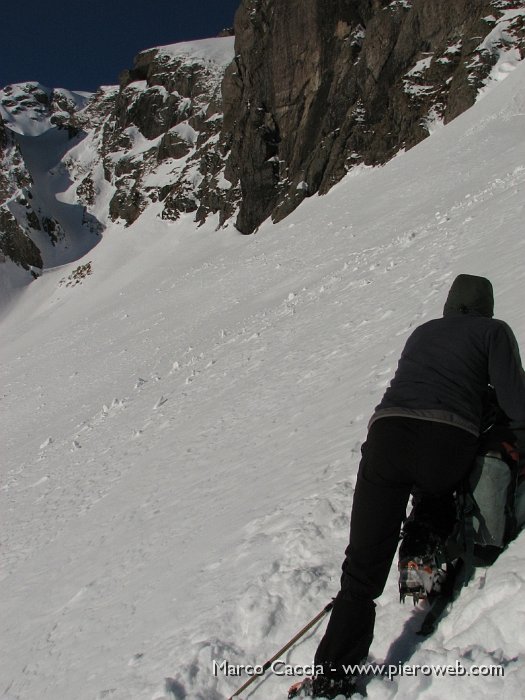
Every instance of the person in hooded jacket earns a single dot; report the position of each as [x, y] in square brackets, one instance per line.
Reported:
[422, 436]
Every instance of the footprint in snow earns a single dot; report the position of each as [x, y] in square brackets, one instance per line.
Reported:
[116, 403]
[160, 403]
[191, 377]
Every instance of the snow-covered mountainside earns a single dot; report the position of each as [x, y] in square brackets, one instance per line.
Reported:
[244, 127]
[183, 412]
[73, 162]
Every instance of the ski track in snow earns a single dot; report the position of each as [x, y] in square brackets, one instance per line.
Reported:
[183, 430]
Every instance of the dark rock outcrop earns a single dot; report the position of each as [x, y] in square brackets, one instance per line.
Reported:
[15, 182]
[14, 175]
[317, 88]
[4, 182]
[16, 244]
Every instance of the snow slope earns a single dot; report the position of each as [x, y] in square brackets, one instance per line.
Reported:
[182, 430]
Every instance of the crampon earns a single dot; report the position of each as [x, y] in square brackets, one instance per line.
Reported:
[323, 687]
[420, 578]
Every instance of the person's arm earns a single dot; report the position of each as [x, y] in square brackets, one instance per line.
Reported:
[506, 372]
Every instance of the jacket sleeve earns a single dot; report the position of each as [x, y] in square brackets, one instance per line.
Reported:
[506, 372]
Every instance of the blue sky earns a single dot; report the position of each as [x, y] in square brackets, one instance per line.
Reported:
[80, 45]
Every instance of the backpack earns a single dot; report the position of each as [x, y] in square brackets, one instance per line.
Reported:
[490, 509]
[486, 506]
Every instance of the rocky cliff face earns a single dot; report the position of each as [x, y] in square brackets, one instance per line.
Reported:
[37, 125]
[15, 243]
[318, 88]
[163, 140]
[309, 91]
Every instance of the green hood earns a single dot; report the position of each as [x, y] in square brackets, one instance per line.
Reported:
[470, 294]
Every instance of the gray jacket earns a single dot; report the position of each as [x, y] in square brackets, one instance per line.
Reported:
[447, 364]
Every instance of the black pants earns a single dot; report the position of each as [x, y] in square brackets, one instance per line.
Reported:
[401, 455]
